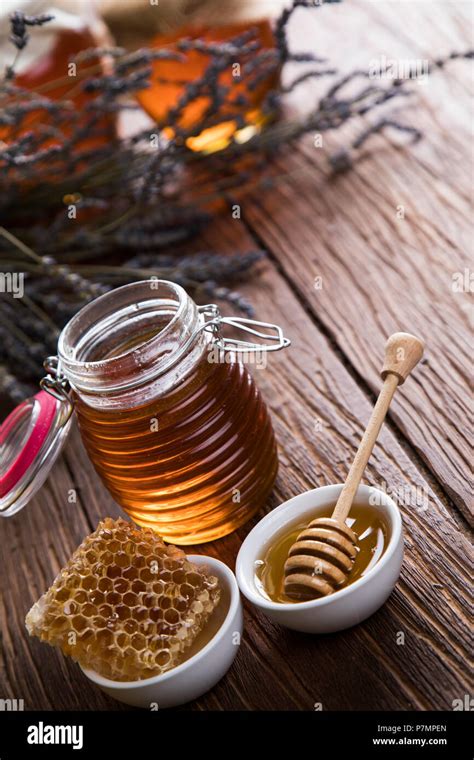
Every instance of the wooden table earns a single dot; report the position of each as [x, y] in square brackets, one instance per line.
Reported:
[386, 240]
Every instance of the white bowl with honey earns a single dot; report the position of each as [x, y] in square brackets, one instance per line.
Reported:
[376, 520]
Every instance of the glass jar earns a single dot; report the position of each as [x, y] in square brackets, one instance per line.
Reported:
[43, 71]
[177, 431]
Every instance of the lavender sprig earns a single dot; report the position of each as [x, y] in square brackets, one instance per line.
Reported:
[148, 192]
[19, 23]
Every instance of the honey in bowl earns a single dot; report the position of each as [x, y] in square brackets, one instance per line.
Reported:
[373, 536]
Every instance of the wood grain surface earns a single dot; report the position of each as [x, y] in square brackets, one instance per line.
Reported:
[379, 273]
[389, 239]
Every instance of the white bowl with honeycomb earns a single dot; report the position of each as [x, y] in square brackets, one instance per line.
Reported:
[149, 625]
[206, 662]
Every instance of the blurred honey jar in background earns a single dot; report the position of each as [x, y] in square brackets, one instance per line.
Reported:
[191, 28]
[43, 65]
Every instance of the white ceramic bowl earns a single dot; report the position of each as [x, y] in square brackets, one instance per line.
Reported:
[344, 608]
[204, 666]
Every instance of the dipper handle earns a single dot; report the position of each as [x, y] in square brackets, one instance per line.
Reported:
[402, 353]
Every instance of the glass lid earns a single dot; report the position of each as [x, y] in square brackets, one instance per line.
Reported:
[31, 438]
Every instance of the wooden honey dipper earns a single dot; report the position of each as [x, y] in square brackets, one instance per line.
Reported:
[323, 554]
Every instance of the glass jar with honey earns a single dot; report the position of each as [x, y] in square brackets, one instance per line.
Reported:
[173, 423]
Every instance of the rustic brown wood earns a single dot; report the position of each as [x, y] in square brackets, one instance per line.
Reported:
[385, 247]
[319, 414]
[414, 653]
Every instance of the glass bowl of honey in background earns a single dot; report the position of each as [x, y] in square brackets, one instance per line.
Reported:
[177, 430]
[241, 113]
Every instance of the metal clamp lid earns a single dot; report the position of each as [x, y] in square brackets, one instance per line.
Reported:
[31, 438]
[55, 383]
[214, 325]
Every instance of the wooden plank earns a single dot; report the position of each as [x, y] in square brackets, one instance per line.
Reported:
[320, 403]
[363, 668]
[391, 240]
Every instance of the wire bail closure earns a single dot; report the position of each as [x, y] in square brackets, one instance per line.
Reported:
[56, 384]
[216, 321]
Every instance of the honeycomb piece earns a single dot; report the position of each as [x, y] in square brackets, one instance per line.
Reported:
[125, 605]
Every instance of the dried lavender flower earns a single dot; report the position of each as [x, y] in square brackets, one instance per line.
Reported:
[19, 21]
[146, 193]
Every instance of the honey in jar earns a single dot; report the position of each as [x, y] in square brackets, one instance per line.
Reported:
[364, 520]
[44, 69]
[184, 444]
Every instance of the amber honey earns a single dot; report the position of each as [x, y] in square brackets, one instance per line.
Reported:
[180, 436]
[365, 521]
[171, 77]
[194, 464]
[48, 77]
